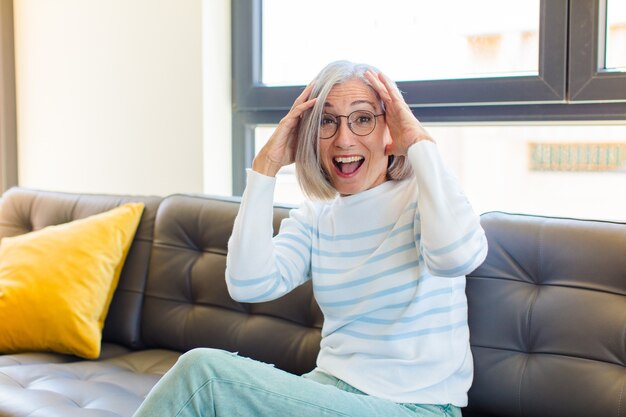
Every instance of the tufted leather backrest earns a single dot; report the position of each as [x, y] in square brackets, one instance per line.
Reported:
[547, 309]
[24, 210]
[187, 303]
[547, 314]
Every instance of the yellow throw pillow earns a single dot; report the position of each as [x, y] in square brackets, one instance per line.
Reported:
[56, 283]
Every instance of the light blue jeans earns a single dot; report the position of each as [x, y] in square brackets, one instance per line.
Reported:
[210, 382]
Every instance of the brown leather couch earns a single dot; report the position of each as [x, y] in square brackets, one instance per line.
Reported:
[547, 313]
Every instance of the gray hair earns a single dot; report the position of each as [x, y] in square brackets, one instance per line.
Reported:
[311, 176]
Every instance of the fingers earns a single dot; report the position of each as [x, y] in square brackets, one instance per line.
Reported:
[302, 103]
[304, 95]
[378, 86]
[292, 118]
[384, 87]
[301, 108]
[393, 91]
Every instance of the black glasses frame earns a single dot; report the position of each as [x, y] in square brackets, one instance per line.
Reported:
[338, 116]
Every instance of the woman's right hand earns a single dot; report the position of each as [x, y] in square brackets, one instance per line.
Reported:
[280, 149]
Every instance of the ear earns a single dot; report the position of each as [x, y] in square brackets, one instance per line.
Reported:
[387, 136]
[387, 140]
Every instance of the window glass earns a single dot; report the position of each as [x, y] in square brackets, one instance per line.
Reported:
[615, 53]
[571, 170]
[409, 39]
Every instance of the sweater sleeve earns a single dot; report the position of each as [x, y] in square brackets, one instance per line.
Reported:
[260, 267]
[452, 241]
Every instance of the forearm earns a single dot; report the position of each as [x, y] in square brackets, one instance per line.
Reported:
[452, 240]
[256, 268]
[249, 247]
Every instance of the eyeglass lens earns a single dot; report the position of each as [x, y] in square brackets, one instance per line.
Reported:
[360, 122]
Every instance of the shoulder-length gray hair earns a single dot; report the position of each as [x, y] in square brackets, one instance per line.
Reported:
[311, 176]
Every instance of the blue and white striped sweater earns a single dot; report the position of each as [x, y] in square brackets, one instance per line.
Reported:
[392, 290]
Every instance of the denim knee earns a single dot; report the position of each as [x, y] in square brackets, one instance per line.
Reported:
[200, 358]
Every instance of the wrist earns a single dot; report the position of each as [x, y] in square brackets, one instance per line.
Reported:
[265, 166]
[417, 140]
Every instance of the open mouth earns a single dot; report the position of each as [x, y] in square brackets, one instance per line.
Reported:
[348, 165]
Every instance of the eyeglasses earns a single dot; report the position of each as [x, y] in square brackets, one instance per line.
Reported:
[360, 122]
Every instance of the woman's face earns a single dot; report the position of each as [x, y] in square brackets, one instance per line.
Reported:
[354, 163]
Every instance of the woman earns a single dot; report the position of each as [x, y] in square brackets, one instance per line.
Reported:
[387, 239]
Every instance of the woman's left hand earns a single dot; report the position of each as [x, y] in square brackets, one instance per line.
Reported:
[404, 128]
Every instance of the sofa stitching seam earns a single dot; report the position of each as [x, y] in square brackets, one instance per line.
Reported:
[527, 352]
[12, 378]
[163, 244]
[529, 316]
[624, 340]
[519, 391]
[621, 397]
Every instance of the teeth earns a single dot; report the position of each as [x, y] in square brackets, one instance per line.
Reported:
[347, 159]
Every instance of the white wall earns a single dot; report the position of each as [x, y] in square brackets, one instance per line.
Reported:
[110, 96]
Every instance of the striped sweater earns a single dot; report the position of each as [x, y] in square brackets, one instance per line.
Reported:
[388, 267]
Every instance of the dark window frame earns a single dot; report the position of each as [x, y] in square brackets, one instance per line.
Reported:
[588, 80]
[548, 86]
[569, 87]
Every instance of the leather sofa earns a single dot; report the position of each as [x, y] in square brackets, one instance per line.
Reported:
[547, 312]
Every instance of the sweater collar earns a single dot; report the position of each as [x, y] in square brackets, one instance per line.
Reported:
[372, 193]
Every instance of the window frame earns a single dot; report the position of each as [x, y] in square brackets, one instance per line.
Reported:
[546, 97]
[588, 80]
[250, 94]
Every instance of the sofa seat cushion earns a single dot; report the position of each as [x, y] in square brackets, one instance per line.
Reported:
[113, 387]
[107, 351]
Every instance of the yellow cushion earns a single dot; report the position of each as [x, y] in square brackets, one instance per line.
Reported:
[56, 283]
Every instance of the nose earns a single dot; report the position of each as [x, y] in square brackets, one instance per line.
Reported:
[344, 138]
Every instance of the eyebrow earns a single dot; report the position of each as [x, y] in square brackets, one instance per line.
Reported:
[354, 103]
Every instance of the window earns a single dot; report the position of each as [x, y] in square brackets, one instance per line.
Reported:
[541, 79]
[522, 87]
[564, 170]
[594, 69]
[482, 46]
[577, 173]
[615, 58]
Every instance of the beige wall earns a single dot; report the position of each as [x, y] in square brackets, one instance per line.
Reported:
[110, 95]
[217, 97]
[8, 132]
